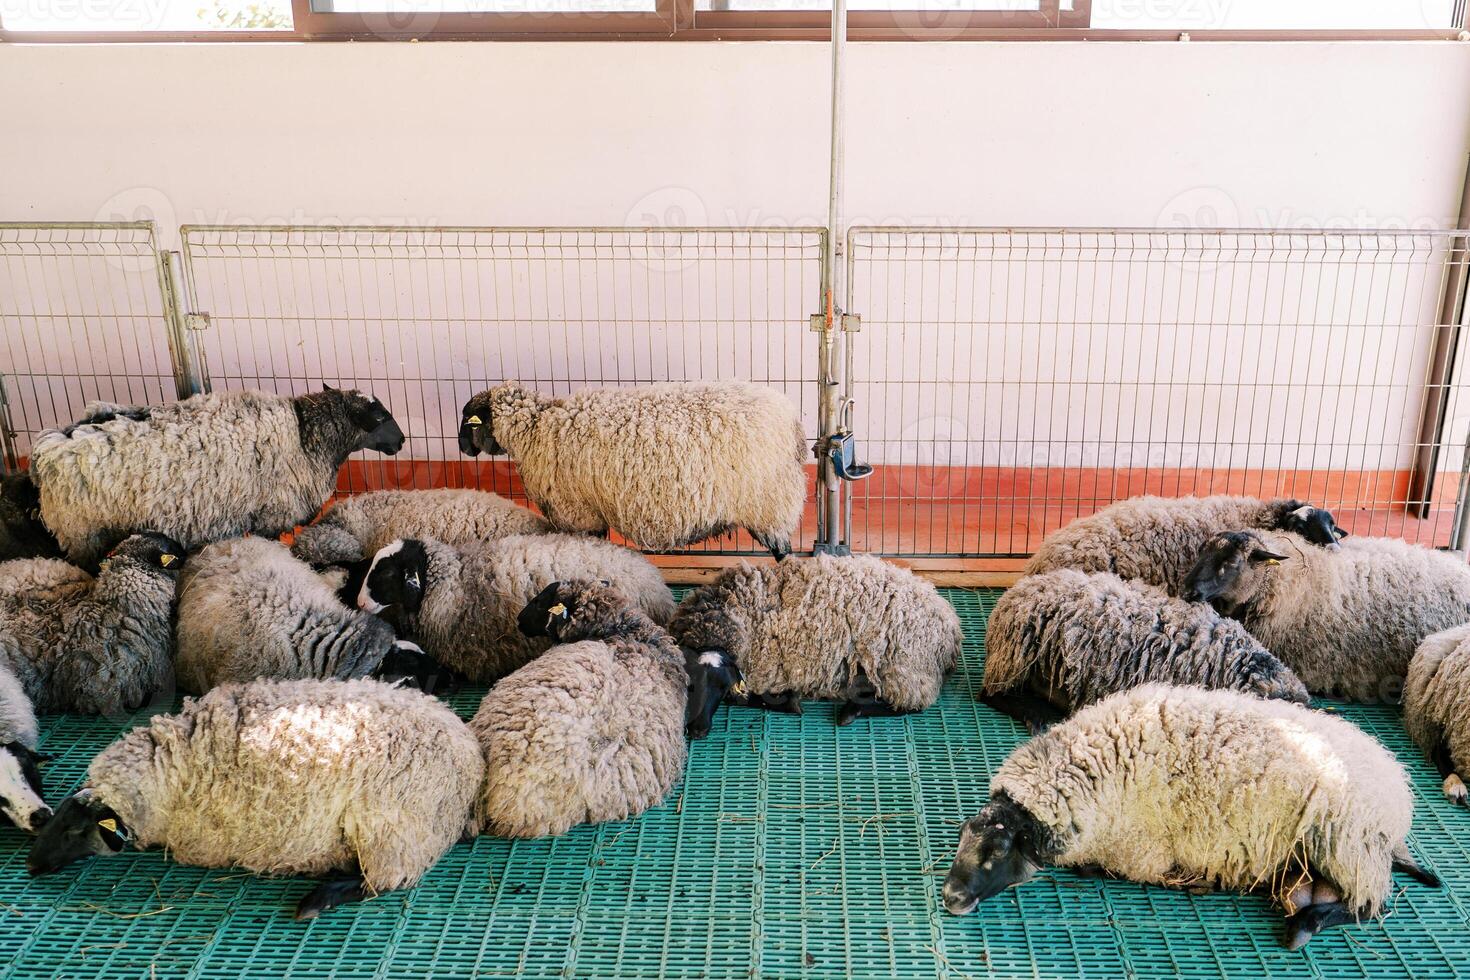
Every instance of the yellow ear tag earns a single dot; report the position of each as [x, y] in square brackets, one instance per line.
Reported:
[559, 609]
[1272, 561]
[166, 560]
[474, 420]
[738, 689]
[108, 824]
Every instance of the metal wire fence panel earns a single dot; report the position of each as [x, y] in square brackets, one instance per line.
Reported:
[82, 318]
[1009, 380]
[425, 318]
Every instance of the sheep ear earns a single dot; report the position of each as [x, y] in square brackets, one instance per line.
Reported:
[1262, 556]
[327, 387]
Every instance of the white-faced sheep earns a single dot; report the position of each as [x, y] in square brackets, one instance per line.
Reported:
[22, 535]
[1437, 706]
[21, 799]
[1064, 639]
[461, 605]
[206, 468]
[1346, 621]
[99, 645]
[592, 730]
[664, 464]
[362, 781]
[1196, 788]
[1156, 539]
[855, 629]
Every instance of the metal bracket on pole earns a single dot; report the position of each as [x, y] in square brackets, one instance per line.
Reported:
[9, 458]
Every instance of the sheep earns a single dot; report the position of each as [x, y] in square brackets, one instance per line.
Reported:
[22, 801]
[22, 535]
[1064, 639]
[1347, 621]
[365, 783]
[1156, 539]
[209, 467]
[592, 730]
[1195, 788]
[100, 645]
[461, 605]
[665, 465]
[248, 609]
[1435, 713]
[856, 628]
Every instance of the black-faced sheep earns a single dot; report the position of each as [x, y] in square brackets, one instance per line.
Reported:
[1196, 788]
[21, 799]
[206, 468]
[361, 781]
[22, 535]
[664, 464]
[1437, 706]
[855, 629]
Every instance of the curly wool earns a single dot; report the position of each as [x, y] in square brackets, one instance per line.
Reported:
[1179, 785]
[248, 609]
[1437, 697]
[299, 778]
[1077, 638]
[664, 464]
[592, 730]
[17, 715]
[810, 625]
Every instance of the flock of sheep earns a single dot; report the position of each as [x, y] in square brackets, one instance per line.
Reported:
[1163, 652]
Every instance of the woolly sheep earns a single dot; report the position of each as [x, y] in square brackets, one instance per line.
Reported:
[99, 645]
[21, 799]
[1347, 621]
[366, 783]
[1437, 706]
[1064, 639]
[209, 467]
[855, 629]
[461, 605]
[664, 464]
[592, 730]
[22, 535]
[1189, 787]
[1156, 539]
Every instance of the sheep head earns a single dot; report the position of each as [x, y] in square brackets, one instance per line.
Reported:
[1232, 569]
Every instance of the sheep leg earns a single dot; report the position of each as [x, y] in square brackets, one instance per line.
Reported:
[784, 702]
[868, 708]
[330, 894]
[1454, 787]
[415, 668]
[779, 547]
[1302, 926]
[1031, 710]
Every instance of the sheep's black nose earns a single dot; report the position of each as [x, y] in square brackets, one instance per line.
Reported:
[467, 441]
[40, 818]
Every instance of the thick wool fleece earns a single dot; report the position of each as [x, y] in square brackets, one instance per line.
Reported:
[300, 778]
[1152, 539]
[248, 609]
[17, 715]
[593, 730]
[209, 467]
[664, 464]
[1179, 785]
[76, 643]
[1075, 638]
[371, 520]
[810, 625]
[467, 620]
[1437, 697]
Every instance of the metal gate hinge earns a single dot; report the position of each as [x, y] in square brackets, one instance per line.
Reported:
[849, 322]
[196, 321]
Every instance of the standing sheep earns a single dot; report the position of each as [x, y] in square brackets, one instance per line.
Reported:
[362, 782]
[855, 629]
[1347, 621]
[461, 605]
[209, 467]
[664, 464]
[21, 799]
[1064, 639]
[1188, 787]
[99, 645]
[1156, 539]
[22, 535]
[592, 730]
[1437, 706]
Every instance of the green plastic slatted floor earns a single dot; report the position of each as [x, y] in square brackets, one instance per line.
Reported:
[793, 849]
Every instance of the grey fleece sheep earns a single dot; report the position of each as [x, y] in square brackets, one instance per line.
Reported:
[1437, 706]
[209, 467]
[857, 629]
[461, 605]
[663, 464]
[362, 780]
[1194, 788]
[21, 799]
[1346, 621]
[358, 527]
[99, 645]
[22, 535]
[590, 731]
[1156, 539]
[1064, 639]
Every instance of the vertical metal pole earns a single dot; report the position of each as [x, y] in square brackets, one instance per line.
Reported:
[830, 537]
[9, 458]
[1462, 504]
[187, 378]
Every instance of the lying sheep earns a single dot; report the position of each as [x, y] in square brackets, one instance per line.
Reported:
[1156, 539]
[1188, 787]
[1437, 706]
[99, 645]
[248, 609]
[592, 729]
[364, 783]
[210, 467]
[664, 464]
[21, 799]
[855, 629]
[1064, 639]
[1348, 621]
[461, 605]
[22, 535]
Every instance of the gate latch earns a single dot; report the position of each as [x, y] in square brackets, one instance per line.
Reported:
[841, 449]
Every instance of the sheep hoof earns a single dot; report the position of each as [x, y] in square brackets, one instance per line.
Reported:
[1455, 791]
[330, 894]
[1301, 927]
